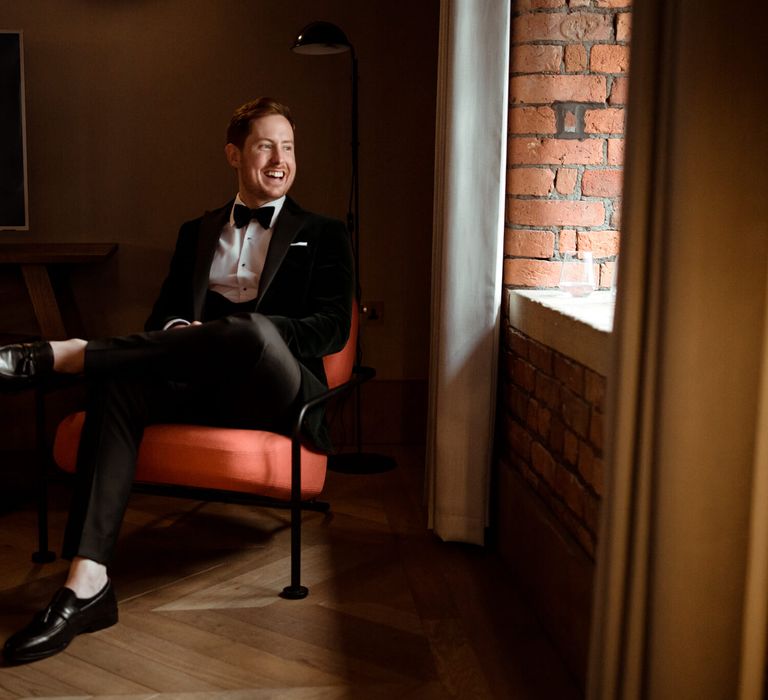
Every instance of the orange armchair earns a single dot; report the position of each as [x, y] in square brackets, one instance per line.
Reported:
[230, 464]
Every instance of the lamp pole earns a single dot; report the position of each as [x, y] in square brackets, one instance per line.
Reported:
[324, 38]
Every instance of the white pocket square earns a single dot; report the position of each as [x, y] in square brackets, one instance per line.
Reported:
[299, 243]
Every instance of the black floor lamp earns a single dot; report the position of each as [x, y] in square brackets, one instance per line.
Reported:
[322, 39]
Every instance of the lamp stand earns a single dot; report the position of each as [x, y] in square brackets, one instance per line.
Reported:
[316, 39]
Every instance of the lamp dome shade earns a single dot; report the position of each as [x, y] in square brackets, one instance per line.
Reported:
[319, 38]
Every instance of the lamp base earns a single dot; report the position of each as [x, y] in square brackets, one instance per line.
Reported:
[360, 463]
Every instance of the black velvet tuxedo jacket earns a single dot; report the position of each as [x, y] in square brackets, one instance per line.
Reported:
[306, 288]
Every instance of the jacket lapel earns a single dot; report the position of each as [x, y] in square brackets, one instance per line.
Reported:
[289, 223]
[210, 230]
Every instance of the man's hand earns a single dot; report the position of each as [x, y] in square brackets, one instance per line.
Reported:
[184, 325]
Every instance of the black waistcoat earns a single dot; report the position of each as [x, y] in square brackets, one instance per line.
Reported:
[217, 306]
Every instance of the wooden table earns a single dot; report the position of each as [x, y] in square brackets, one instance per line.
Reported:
[34, 260]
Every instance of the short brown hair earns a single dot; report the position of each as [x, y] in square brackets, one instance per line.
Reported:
[240, 123]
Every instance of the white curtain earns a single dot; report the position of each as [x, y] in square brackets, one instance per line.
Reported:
[473, 77]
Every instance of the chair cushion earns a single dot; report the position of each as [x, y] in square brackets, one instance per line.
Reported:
[248, 461]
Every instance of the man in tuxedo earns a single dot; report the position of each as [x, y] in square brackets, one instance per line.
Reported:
[258, 291]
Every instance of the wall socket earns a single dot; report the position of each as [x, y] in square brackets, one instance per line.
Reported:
[372, 311]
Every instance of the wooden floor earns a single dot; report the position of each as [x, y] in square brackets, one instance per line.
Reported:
[392, 611]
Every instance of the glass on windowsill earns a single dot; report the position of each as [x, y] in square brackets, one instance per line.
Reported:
[577, 276]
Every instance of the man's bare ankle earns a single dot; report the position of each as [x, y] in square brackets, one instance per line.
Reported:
[86, 577]
[68, 355]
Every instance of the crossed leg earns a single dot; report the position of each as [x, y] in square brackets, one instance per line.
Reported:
[234, 371]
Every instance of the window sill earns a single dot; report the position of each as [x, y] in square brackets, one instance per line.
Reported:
[579, 328]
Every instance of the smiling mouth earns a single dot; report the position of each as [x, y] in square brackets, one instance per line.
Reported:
[275, 174]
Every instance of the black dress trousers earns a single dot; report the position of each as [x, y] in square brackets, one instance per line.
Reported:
[233, 371]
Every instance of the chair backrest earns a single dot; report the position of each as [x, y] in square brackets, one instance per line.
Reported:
[338, 367]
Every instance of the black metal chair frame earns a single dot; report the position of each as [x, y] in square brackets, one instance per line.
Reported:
[295, 590]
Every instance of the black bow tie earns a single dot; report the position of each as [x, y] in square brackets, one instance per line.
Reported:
[243, 215]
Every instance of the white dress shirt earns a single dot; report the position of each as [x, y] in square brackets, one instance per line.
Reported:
[239, 258]
[240, 255]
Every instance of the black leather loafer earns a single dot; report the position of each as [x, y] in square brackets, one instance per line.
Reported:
[22, 363]
[52, 629]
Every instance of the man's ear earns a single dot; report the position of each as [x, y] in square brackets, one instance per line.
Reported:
[232, 153]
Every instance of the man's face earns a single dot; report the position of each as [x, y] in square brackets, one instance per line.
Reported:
[266, 165]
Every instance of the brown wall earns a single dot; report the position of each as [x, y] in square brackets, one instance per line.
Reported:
[126, 108]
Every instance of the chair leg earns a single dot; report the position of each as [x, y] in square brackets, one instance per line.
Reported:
[295, 591]
[43, 555]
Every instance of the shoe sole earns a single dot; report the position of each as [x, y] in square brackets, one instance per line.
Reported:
[28, 658]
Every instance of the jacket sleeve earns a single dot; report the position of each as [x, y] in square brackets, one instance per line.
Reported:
[324, 328]
[176, 293]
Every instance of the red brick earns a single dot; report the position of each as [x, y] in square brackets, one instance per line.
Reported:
[532, 416]
[575, 58]
[615, 221]
[545, 89]
[604, 121]
[598, 476]
[613, 3]
[596, 429]
[586, 460]
[547, 391]
[532, 151]
[517, 342]
[516, 401]
[533, 181]
[618, 92]
[536, 58]
[623, 26]
[523, 5]
[524, 374]
[574, 26]
[556, 434]
[543, 462]
[523, 243]
[592, 513]
[544, 421]
[607, 271]
[519, 272]
[530, 212]
[615, 151]
[602, 183]
[565, 181]
[575, 412]
[579, 3]
[594, 389]
[570, 490]
[586, 539]
[569, 373]
[609, 58]
[603, 244]
[519, 439]
[567, 240]
[532, 120]
[541, 357]
[571, 448]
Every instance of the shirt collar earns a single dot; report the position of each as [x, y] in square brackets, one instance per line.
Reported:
[276, 203]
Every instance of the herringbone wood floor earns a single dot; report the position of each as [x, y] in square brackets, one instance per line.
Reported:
[392, 611]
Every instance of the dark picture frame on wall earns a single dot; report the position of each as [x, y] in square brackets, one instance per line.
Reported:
[14, 205]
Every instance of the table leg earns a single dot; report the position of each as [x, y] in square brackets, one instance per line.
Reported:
[44, 302]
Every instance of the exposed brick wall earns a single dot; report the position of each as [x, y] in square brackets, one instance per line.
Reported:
[568, 87]
[552, 420]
